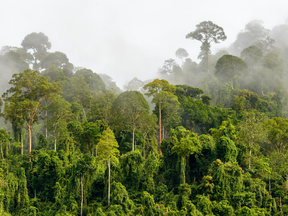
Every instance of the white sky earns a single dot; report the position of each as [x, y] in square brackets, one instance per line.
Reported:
[129, 38]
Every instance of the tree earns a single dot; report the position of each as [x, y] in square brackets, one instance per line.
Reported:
[254, 30]
[93, 80]
[185, 144]
[277, 129]
[135, 85]
[59, 110]
[225, 147]
[90, 136]
[206, 32]
[107, 148]
[4, 138]
[110, 85]
[172, 70]
[181, 53]
[251, 132]
[102, 106]
[58, 59]
[82, 166]
[266, 45]
[251, 55]
[54, 73]
[39, 44]
[162, 93]
[128, 108]
[274, 63]
[148, 124]
[24, 99]
[229, 66]
[194, 106]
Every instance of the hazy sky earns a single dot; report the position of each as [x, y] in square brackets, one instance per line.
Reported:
[129, 38]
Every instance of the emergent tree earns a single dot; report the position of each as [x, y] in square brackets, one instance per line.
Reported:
[24, 99]
[206, 32]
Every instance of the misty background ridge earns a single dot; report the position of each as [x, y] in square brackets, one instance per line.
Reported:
[253, 32]
[114, 38]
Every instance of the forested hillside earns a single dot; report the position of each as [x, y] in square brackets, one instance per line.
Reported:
[206, 138]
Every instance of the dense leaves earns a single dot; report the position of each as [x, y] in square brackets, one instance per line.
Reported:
[204, 142]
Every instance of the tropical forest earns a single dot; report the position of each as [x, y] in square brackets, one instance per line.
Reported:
[203, 137]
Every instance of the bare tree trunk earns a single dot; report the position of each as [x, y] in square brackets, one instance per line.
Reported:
[262, 86]
[96, 150]
[81, 194]
[108, 180]
[250, 160]
[183, 171]
[133, 130]
[143, 147]
[84, 114]
[35, 194]
[269, 186]
[21, 134]
[232, 82]
[93, 149]
[55, 141]
[2, 151]
[46, 132]
[30, 141]
[163, 133]
[160, 126]
[207, 56]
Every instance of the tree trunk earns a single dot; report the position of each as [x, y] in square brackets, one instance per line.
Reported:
[269, 186]
[55, 141]
[92, 149]
[207, 56]
[2, 151]
[143, 147]
[163, 133]
[30, 141]
[250, 159]
[35, 194]
[96, 150]
[262, 86]
[84, 114]
[232, 82]
[21, 134]
[160, 127]
[108, 180]
[133, 130]
[46, 132]
[81, 194]
[182, 170]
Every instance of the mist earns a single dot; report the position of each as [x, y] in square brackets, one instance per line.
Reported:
[128, 39]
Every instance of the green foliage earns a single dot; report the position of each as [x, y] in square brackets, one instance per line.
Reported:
[131, 164]
[225, 147]
[107, 146]
[229, 66]
[130, 107]
[276, 128]
[120, 197]
[237, 165]
[185, 144]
